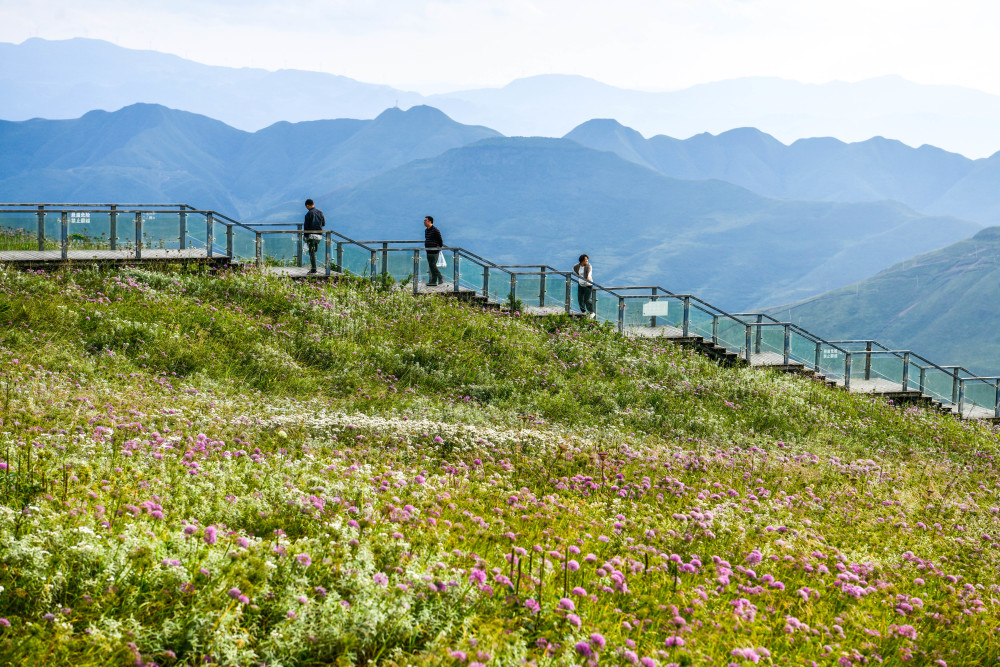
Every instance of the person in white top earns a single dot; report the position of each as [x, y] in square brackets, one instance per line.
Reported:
[585, 287]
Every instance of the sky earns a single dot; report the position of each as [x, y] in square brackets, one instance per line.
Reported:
[438, 45]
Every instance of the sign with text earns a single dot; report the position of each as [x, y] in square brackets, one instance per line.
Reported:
[655, 308]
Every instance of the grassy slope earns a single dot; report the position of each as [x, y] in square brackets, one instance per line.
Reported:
[239, 469]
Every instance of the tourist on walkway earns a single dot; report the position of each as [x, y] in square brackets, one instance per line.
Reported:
[432, 240]
[585, 286]
[314, 222]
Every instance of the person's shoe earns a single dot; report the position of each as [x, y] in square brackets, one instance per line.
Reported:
[312, 270]
[432, 284]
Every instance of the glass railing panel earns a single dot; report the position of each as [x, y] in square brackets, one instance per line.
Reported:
[802, 349]
[886, 370]
[244, 245]
[53, 229]
[732, 335]
[356, 259]
[161, 231]
[700, 319]
[470, 276]
[88, 230]
[19, 232]
[499, 291]
[528, 288]
[768, 345]
[606, 306]
[938, 384]
[831, 362]
[979, 399]
[555, 291]
[281, 249]
[633, 313]
[196, 232]
[395, 263]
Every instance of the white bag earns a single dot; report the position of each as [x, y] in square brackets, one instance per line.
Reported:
[441, 263]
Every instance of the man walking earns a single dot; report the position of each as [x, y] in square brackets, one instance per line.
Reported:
[314, 223]
[432, 241]
[585, 286]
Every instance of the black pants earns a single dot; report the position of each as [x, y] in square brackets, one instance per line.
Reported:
[436, 277]
[585, 295]
[313, 246]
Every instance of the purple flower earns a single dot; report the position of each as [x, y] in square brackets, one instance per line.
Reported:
[304, 559]
[380, 579]
[210, 535]
[754, 557]
[234, 593]
[567, 604]
[579, 592]
[648, 662]
[583, 648]
[574, 620]
[458, 655]
[4, 623]
[532, 606]
[598, 641]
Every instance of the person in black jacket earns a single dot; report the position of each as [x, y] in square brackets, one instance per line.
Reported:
[432, 240]
[314, 222]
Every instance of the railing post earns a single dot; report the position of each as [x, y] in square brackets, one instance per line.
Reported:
[954, 386]
[326, 252]
[787, 351]
[847, 371]
[996, 399]
[868, 360]
[513, 288]
[298, 244]
[923, 378]
[621, 314]
[818, 355]
[64, 234]
[385, 258]
[373, 262]
[759, 336]
[569, 294]
[456, 269]
[259, 248]
[749, 343]
[113, 228]
[183, 231]
[652, 320]
[715, 329]
[416, 270]
[486, 283]
[229, 242]
[138, 234]
[340, 256]
[961, 396]
[687, 316]
[593, 302]
[209, 230]
[41, 228]
[541, 290]
[906, 370]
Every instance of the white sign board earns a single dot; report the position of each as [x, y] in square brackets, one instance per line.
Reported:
[655, 308]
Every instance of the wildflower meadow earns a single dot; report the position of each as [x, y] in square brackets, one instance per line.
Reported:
[221, 467]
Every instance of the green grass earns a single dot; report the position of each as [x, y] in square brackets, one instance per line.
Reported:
[386, 479]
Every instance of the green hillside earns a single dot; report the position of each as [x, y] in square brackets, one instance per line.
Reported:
[941, 304]
[229, 468]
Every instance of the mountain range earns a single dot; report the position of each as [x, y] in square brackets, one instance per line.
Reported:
[515, 199]
[824, 169]
[67, 78]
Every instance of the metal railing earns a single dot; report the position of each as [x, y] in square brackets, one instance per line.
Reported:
[148, 231]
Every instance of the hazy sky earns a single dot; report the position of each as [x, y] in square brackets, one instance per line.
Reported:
[647, 44]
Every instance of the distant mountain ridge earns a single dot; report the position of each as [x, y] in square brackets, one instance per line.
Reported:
[67, 78]
[821, 169]
[151, 153]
